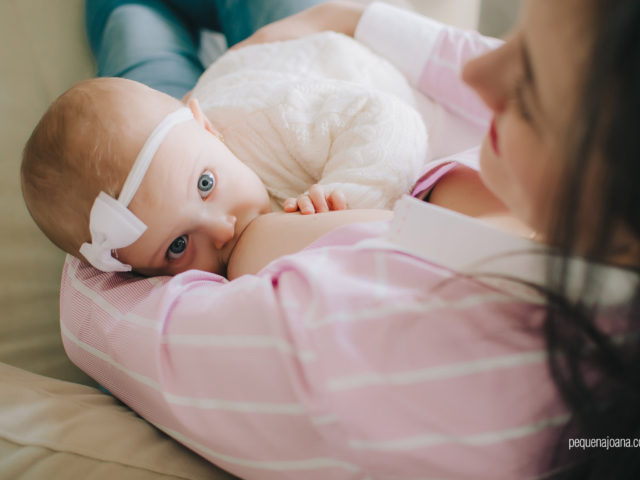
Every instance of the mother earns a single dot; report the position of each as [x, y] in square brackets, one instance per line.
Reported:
[376, 358]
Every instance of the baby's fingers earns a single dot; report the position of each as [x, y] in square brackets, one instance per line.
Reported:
[337, 200]
[316, 193]
[316, 201]
[305, 205]
[302, 203]
[290, 205]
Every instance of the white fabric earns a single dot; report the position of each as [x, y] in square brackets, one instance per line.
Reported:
[111, 223]
[400, 35]
[321, 109]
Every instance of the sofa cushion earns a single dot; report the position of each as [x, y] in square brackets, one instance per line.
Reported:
[55, 429]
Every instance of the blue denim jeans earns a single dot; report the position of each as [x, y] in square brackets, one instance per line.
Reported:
[156, 41]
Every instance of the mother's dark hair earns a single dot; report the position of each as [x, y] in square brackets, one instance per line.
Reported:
[605, 145]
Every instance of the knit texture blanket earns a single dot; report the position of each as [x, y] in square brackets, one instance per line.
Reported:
[321, 109]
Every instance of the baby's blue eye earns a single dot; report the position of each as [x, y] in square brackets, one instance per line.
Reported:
[206, 183]
[177, 247]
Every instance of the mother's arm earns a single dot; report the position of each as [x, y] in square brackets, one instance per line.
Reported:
[340, 16]
[276, 234]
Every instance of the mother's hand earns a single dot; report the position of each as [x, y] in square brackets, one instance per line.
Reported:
[273, 235]
[339, 16]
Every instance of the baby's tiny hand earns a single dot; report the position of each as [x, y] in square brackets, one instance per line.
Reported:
[316, 201]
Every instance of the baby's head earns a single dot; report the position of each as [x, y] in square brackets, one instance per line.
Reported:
[195, 198]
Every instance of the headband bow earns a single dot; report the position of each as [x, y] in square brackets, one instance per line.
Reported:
[111, 224]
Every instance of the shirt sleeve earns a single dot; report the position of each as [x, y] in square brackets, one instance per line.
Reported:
[431, 55]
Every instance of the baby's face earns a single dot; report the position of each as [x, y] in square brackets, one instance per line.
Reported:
[196, 199]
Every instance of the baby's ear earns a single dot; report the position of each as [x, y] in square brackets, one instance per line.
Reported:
[201, 118]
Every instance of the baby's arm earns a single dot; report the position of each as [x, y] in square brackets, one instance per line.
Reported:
[340, 16]
[361, 144]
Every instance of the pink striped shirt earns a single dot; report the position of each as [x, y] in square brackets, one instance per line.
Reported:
[357, 358]
[365, 356]
[348, 360]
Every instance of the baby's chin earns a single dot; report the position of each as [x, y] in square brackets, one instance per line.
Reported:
[153, 272]
[170, 272]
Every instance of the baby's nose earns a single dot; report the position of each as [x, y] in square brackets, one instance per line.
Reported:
[223, 230]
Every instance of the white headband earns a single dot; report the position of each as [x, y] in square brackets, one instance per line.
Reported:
[111, 223]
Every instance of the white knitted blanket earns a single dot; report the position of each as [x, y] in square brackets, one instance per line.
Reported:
[321, 109]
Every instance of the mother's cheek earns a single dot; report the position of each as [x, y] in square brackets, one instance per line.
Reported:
[492, 172]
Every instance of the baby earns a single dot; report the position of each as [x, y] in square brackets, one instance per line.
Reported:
[129, 178]
[322, 109]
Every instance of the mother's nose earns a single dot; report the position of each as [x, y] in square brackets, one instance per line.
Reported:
[220, 229]
[493, 75]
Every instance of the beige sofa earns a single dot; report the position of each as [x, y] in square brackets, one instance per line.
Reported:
[54, 423]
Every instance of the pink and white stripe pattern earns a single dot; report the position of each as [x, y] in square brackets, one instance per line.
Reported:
[353, 359]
